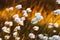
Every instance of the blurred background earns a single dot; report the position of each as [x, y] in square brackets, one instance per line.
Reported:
[27, 3]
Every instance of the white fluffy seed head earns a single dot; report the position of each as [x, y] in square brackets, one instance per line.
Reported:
[5, 29]
[50, 38]
[50, 23]
[45, 38]
[17, 28]
[24, 11]
[31, 35]
[58, 1]
[25, 15]
[15, 34]
[34, 21]
[22, 18]
[37, 14]
[57, 12]
[36, 28]
[18, 7]
[54, 31]
[16, 16]
[56, 37]
[39, 18]
[40, 36]
[11, 9]
[7, 36]
[6, 23]
[28, 9]
[56, 25]
[10, 23]
[17, 20]
[50, 26]
[21, 23]
[17, 38]
[0, 38]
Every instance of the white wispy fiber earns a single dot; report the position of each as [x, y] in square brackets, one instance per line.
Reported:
[54, 31]
[25, 14]
[11, 9]
[10, 23]
[0, 38]
[28, 10]
[45, 38]
[50, 25]
[37, 14]
[19, 20]
[36, 28]
[16, 16]
[5, 29]
[15, 34]
[23, 18]
[31, 35]
[38, 17]
[17, 38]
[7, 37]
[56, 37]
[57, 12]
[58, 1]
[18, 6]
[56, 25]
[50, 38]
[34, 21]
[40, 36]
[17, 28]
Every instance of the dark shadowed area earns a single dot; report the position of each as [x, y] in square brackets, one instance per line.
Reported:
[27, 3]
